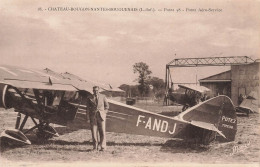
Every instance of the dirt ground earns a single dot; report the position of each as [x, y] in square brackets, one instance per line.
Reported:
[75, 147]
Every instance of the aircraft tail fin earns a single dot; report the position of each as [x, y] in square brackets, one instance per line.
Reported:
[216, 114]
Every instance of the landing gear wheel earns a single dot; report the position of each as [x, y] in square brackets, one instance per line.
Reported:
[45, 132]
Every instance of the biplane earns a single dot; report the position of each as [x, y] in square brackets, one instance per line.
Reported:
[49, 98]
[191, 95]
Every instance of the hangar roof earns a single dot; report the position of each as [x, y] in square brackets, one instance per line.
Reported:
[220, 77]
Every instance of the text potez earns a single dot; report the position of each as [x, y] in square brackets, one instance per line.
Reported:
[155, 124]
[227, 119]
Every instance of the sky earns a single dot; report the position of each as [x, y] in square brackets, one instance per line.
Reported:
[104, 45]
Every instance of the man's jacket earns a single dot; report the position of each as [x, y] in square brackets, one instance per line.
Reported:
[100, 105]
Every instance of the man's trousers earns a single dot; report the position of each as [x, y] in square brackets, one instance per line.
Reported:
[98, 126]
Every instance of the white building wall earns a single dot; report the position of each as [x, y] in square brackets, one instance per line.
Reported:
[244, 79]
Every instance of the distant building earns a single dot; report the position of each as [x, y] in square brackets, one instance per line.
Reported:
[114, 93]
[219, 84]
[241, 79]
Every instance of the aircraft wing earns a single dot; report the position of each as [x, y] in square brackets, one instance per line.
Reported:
[78, 83]
[249, 103]
[196, 88]
[30, 78]
[82, 83]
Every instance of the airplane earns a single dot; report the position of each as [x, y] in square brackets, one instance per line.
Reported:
[191, 96]
[48, 98]
[248, 104]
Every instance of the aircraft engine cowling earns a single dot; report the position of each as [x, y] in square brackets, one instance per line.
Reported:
[4, 97]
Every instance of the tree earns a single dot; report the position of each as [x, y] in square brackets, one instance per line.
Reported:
[131, 90]
[144, 74]
[158, 86]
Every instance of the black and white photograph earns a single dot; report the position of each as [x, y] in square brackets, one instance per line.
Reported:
[129, 83]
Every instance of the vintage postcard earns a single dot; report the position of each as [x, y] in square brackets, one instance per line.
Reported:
[129, 83]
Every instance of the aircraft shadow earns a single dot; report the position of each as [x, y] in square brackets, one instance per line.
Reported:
[177, 146]
[62, 142]
[170, 146]
[65, 130]
[4, 146]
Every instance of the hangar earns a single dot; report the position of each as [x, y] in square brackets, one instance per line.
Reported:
[219, 84]
[242, 78]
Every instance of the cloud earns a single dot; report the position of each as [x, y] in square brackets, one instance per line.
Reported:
[101, 39]
[107, 44]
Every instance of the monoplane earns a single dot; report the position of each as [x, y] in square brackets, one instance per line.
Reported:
[49, 98]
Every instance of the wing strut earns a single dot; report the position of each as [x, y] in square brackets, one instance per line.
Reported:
[29, 102]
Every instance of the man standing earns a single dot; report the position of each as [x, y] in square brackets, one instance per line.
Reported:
[98, 108]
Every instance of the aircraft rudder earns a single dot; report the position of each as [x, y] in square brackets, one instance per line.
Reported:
[228, 119]
[218, 112]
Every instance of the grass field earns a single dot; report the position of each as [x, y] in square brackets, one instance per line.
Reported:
[75, 146]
